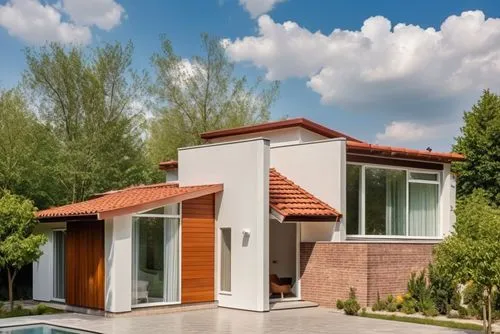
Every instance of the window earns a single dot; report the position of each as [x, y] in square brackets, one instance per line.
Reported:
[392, 202]
[155, 256]
[59, 240]
[225, 260]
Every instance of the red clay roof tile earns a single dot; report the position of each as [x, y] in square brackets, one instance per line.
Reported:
[365, 148]
[123, 201]
[294, 203]
[285, 197]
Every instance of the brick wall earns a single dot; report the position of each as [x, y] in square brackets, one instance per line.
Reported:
[328, 270]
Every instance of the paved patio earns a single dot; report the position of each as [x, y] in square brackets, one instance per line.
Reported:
[312, 320]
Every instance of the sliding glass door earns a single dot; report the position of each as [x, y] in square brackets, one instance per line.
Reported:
[59, 240]
[155, 256]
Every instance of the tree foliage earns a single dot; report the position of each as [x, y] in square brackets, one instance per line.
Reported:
[480, 142]
[201, 94]
[91, 102]
[26, 152]
[472, 252]
[18, 245]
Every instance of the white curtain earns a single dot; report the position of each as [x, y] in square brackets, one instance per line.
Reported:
[423, 209]
[172, 259]
[395, 208]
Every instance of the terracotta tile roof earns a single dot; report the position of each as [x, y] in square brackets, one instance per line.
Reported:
[130, 200]
[168, 165]
[399, 152]
[276, 125]
[293, 203]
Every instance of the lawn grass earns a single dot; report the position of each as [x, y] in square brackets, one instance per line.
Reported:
[19, 311]
[424, 321]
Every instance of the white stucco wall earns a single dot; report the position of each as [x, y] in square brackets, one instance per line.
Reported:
[243, 168]
[118, 268]
[43, 277]
[447, 200]
[319, 168]
[293, 135]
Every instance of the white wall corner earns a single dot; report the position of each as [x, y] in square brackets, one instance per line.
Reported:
[340, 227]
[263, 228]
[118, 267]
[447, 200]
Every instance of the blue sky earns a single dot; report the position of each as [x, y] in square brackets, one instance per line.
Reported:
[403, 85]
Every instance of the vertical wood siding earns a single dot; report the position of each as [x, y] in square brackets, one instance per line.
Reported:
[198, 250]
[85, 264]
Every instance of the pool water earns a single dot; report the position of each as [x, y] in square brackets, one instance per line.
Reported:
[39, 329]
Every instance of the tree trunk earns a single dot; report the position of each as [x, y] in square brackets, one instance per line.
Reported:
[489, 311]
[11, 276]
[485, 316]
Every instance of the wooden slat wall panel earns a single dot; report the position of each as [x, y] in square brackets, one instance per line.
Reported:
[198, 250]
[85, 264]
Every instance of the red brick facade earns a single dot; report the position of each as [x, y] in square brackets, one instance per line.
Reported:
[329, 269]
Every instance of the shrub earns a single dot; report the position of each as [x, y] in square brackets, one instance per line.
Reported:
[40, 309]
[429, 309]
[392, 307]
[442, 290]
[417, 286]
[340, 304]
[399, 301]
[419, 291]
[462, 312]
[363, 311]
[379, 305]
[409, 306]
[351, 305]
[390, 299]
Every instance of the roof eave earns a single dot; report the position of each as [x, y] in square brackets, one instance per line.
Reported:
[283, 218]
[212, 189]
[277, 125]
[67, 218]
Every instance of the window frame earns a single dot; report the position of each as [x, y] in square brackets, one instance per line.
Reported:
[144, 214]
[54, 231]
[221, 230]
[362, 201]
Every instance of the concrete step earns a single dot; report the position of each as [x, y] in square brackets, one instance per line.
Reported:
[289, 305]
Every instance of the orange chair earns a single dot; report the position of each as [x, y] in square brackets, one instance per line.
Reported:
[275, 286]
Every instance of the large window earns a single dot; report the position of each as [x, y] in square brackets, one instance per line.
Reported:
[225, 260]
[392, 202]
[155, 256]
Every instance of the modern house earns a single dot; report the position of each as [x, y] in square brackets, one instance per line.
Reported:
[315, 209]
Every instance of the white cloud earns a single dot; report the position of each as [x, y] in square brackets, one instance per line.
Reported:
[36, 22]
[259, 7]
[403, 69]
[105, 14]
[412, 132]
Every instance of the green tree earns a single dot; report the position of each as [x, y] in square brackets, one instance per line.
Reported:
[472, 252]
[201, 94]
[479, 141]
[18, 245]
[27, 149]
[92, 101]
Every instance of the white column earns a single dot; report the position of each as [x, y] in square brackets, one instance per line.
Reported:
[118, 249]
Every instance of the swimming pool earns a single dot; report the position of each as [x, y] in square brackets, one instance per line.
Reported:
[40, 329]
